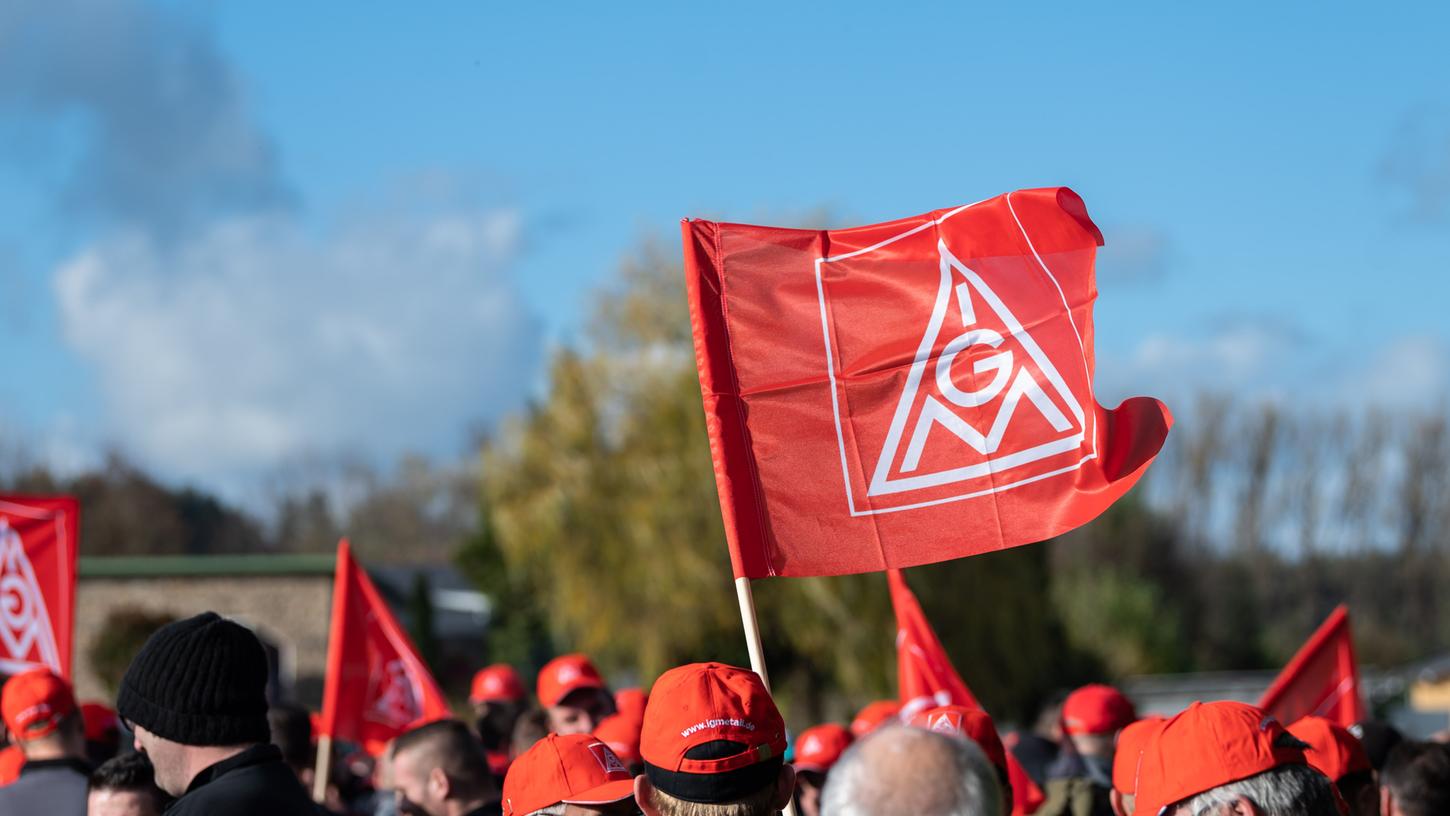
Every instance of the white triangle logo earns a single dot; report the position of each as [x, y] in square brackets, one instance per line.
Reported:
[1006, 378]
[396, 703]
[26, 636]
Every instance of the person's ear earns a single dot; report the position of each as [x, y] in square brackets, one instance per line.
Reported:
[438, 784]
[643, 795]
[1243, 806]
[1387, 802]
[784, 787]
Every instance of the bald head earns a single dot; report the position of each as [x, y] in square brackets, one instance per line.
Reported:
[896, 771]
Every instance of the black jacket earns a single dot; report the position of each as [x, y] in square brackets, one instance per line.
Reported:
[253, 783]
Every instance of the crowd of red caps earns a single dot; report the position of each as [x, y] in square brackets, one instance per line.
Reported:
[710, 735]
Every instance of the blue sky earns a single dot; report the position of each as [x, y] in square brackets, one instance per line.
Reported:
[234, 235]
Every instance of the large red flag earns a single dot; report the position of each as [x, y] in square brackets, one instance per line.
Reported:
[907, 392]
[1322, 679]
[376, 685]
[926, 679]
[38, 537]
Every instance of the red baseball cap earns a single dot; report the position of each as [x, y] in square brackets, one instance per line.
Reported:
[1332, 751]
[1096, 709]
[34, 702]
[817, 748]
[711, 734]
[621, 733]
[577, 769]
[1131, 741]
[966, 723]
[101, 722]
[498, 682]
[1208, 745]
[872, 716]
[630, 701]
[564, 675]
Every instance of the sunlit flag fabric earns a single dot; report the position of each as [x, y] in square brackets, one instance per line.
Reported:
[1321, 680]
[38, 537]
[376, 686]
[907, 392]
[926, 679]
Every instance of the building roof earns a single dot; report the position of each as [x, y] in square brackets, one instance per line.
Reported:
[158, 566]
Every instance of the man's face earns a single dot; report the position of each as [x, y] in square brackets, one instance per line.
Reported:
[166, 759]
[808, 786]
[413, 789]
[120, 803]
[580, 711]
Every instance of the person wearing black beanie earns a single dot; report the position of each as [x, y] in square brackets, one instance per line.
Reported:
[195, 697]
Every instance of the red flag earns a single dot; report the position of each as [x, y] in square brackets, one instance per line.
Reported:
[926, 679]
[907, 392]
[38, 537]
[376, 685]
[1322, 679]
[925, 676]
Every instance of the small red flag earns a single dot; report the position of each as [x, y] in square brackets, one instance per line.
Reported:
[926, 679]
[376, 686]
[38, 536]
[907, 392]
[1322, 679]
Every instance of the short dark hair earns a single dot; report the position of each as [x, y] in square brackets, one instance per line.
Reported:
[131, 772]
[1418, 775]
[451, 746]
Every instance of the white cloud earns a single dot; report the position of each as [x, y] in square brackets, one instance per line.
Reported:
[1410, 372]
[253, 340]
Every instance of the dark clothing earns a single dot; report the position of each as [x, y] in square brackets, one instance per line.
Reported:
[1078, 786]
[55, 787]
[490, 809]
[252, 783]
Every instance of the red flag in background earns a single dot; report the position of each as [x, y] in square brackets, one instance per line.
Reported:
[926, 679]
[907, 392]
[1322, 679]
[924, 675]
[38, 537]
[376, 685]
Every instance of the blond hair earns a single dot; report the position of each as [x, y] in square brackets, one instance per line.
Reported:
[760, 803]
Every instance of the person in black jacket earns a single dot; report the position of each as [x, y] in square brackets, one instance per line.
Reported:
[195, 697]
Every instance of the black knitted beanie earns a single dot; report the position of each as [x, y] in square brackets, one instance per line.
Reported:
[199, 681]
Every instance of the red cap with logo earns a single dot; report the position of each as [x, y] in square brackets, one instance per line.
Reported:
[35, 702]
[873, 716]
[727, 714]
[564, 675]
[966, 723]
[1131, 741]
[577, 769]
[498, 682]
[817, 748]
[1208, 745]
[1332, 751]
[1096, 709]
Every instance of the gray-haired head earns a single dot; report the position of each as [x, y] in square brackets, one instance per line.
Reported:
[896, 771]
[1289, 790]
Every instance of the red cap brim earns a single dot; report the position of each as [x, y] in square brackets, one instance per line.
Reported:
[610, 792]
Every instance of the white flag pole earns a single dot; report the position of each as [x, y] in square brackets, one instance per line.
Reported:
[322, 770]
[757, 650]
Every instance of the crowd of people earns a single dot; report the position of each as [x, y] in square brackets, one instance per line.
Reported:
[192, 732]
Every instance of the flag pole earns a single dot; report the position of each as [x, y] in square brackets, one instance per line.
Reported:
[752, 629]
[757, 650]
[322, 770]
